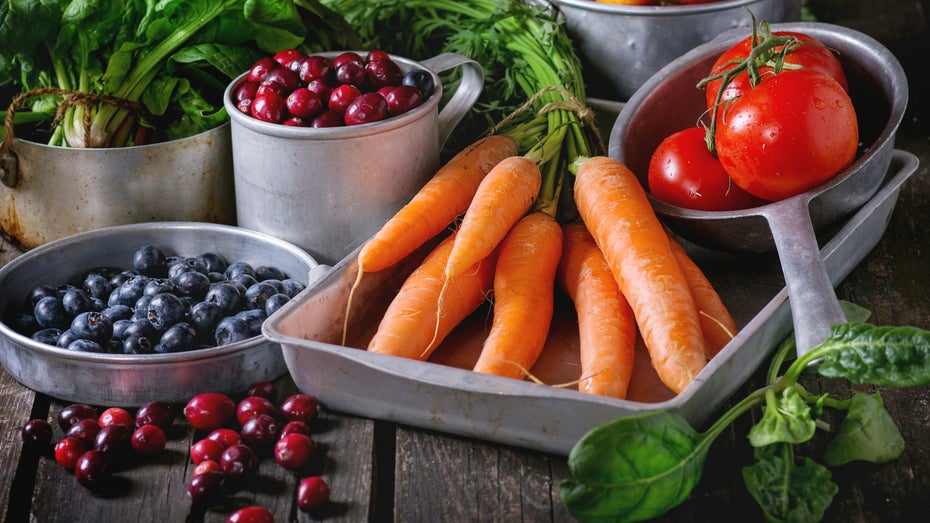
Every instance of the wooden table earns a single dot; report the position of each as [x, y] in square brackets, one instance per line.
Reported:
[380, 471]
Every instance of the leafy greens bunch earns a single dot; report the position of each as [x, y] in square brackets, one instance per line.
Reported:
[173, 58]
[527, 57]
[637, 468]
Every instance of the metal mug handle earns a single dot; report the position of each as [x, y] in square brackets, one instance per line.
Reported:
[466, 94]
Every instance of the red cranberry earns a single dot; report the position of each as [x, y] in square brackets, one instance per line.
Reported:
[225, 436]
[68, 450]
[300, 407]
[238, 460]
[209, 411]
[376, 54]
[348, 56]
[148, 440]
[206, 487]
[351, 73]
[36, 432]
[116, 416]
[85, 430]
[207, 465]
[311, 493]
[342, 96]
[251, 514]
[304, 103]
[287, 78]
[288, 57]
[265, 389]
[402, 98]
[327, 118]
[270, 87]
[92, 467]
[252, 406]
[72, 413]
[293, 121]
[322, 90]
[260, 431]
[295, 427]
[367, 108]
[245, 106]
[261, 67]
[269, 107]
[206, 449]
[381, 72]
[158, 413]
[246, 91]
[294, 451]
[316, 68]
[113, 439]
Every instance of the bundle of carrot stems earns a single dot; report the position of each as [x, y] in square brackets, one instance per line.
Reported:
[533, 205]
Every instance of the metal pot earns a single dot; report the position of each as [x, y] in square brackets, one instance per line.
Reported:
[328, 190]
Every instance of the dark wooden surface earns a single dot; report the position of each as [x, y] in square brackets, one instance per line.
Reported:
[379, 471]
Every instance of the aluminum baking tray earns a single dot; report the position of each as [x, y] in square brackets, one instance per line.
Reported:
[441, 394]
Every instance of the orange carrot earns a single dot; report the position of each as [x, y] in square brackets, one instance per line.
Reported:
[524, 280]
[616, 211]
[717, 325]
[606, 327]
[436, 205]
[410, 327]
[503, 197]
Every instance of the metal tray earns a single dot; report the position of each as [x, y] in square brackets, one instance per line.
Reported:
[443, 395]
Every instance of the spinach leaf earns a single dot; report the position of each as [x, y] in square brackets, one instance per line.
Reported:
[786, 492]
[867, 433]
[863, 353]
[633, 469]
[786, 419]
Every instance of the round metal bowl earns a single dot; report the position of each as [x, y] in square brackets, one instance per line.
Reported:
[624, 45]
[133, 380]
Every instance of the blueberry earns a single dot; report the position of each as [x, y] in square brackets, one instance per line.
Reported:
[177, 338]
[165, 310]
[97, 286]
[117, 312]
[81, 345]
[93, 326]
[205, 315]
[239, 267]
[194, 284]
[214, 262]
[275, 302]
[49, 312]
[422, 80]
[269, 272]
[258, 294]
[47, 336]
[176, 270]
[120, 327]
[139, 328]
[254, 319]
[150, 261]
[226, 295]
[40, 292]
[231, 330]
[24, 324]
[292, 287]
[244, 279]
[140, 309]
[131, 290]
[65, 338]
[158, 286]
[138, 345]
[120, 277]
[196, 265]
[76, 301]
[216, 277]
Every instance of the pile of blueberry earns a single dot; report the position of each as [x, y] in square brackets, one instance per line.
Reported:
[297, 89]
[163, 304]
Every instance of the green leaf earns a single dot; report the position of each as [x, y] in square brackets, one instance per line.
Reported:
[863, 353]
[867, 434]
[786, 419]
[229, 60]
[786, 492]
[633, 469]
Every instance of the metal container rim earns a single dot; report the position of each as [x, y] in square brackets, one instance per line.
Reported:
[655, 10]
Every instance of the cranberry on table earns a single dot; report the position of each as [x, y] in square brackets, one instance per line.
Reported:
[294, 451]
[68, 450]
[225, 436]
[206, 487]
[36, 432]
[300, 407]
[260, 431]
[158, 413]
[92, 467]
[238, 460]
[85, 430]
[252, 406]
[312, 492]
[206, 450]
[251, 514]
[295, 427]
[113, 439]
[70, 414]
[148, 440]
[264, 388]
[116, 416]
[209, 411]
[207, 466]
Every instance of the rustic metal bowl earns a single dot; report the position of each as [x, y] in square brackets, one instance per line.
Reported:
[623, 45]
[132, 380]
[670, 102]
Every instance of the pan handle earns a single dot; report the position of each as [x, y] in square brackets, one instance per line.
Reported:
[814, 305]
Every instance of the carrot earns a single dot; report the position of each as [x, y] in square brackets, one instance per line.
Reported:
[616, 211]
[503, 197]
[411, 326]
[606, 327]
[524, 279]
[717, 325]
[445, 196]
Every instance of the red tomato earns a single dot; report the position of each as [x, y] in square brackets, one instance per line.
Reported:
[811, 55]
[682, 172]
[791, 132]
